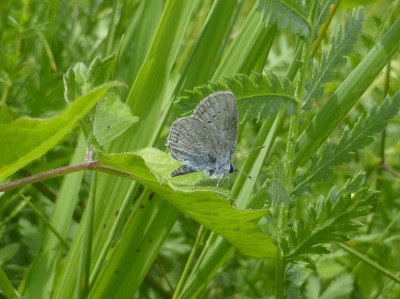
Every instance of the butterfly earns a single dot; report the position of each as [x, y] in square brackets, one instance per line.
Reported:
[206, 140]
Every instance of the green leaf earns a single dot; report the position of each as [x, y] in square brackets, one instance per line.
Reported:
[360, 136]
[26, 139]
[258, 96]
[7, 252]
[342, 42]
[329, 220]
[6, 287]
[74, 81]
[100, 70]
[111, 119]
[288, 14]
[79, 80]
[207, 206]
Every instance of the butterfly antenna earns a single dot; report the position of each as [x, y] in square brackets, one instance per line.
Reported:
[240, 156]
[246, 174]
[245, 154]
[253, 149]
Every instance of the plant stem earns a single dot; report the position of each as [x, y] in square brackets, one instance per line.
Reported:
[280, 259]
[369, 262]
[46, 222]
[295, 119]
[47, 175]
[91, 165]
[290, 151]
[189, 263]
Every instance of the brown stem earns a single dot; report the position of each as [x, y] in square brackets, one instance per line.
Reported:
[48, 174]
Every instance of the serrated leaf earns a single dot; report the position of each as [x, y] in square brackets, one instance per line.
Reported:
[360, 136]
[258, 96]
[26, 139]
[207, 206]
[329, 220]
[101, 69]
[342, 42]
[111, 119]
[79, 80]
[288, 14]
[71, 90]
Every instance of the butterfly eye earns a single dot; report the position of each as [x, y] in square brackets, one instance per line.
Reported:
[231, 168]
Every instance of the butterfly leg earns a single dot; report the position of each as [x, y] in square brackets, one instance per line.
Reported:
[199, 182]
[219, 180]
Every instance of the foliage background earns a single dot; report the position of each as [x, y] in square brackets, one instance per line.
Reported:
[118, 238]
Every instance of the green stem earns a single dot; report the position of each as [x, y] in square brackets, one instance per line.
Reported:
[280, 259]
[46, 222]
[383, 137]
[295, 119]
[369, 262]
[85, 261]
[290, 152]
[189, 262]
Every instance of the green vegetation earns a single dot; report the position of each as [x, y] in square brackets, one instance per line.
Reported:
[88, 90]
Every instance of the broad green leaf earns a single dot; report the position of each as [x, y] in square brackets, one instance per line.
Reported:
[111, 119]
[27, 139]
[207, 206]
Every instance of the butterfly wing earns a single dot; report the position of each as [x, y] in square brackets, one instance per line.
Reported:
[219, 112]
[191, 142]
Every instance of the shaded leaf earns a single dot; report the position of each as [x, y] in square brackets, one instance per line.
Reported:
[111, 119]
[207, 206]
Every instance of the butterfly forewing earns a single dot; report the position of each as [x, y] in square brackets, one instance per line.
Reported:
[219, 111]
[191, 142]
